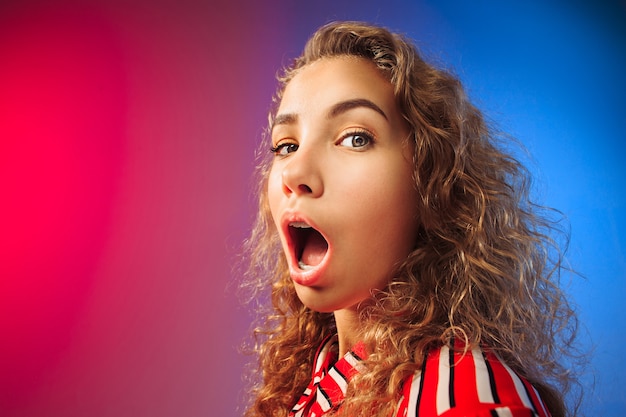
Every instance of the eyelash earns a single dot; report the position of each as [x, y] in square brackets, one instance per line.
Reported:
[357, 132]
[278, 148]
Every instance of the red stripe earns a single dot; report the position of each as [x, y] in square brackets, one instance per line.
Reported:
[504, 384]
[406, 392]
[465, 390]
[344, 367]
[428, 401]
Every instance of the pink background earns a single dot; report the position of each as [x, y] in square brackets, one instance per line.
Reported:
[128, 134]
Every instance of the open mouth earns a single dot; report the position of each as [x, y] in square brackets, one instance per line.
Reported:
[309, 245]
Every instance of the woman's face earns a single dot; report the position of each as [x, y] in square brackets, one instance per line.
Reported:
[340, 188]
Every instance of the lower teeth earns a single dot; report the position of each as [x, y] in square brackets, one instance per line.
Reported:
[304, 266]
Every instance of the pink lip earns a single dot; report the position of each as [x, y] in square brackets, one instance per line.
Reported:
[312, 276]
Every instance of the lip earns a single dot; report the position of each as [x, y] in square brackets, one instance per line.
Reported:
[312, 276]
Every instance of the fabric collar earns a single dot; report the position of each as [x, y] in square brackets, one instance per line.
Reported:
[330, 378]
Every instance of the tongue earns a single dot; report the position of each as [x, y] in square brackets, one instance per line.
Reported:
[315, 248]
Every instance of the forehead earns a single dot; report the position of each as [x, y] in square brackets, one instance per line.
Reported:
[329, 80]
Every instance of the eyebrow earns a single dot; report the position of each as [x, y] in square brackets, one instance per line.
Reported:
[335, 110]
[284, 119]
[347, 105]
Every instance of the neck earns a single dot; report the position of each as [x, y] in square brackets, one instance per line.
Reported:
[348, 326]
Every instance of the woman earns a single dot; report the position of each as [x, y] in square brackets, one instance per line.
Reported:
[409, 272]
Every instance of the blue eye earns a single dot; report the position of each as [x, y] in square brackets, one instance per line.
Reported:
[284, 149]
[356, 140]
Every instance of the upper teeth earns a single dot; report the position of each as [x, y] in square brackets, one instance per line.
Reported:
[300, 225]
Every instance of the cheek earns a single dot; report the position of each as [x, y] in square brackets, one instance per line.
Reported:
[389, 189]
[394, 202]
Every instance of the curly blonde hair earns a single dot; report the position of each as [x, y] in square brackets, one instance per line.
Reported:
[484, 268]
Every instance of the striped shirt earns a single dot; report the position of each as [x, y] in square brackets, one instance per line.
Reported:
[450, 384]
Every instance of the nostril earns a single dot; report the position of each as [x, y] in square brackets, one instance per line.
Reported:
[305, 188]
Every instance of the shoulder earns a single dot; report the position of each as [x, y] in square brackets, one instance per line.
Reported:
[476, 383]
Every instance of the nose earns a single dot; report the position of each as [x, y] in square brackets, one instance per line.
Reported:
[301, 175]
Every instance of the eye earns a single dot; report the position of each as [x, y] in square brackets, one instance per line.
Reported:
[356, 140]
[284, 149]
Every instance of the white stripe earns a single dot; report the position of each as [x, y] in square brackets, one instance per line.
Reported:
[519, 387]
[443, 383]
[414, 391]
[483, 385]
[349, 357]
[503, 412]
[322, 401]
[323, 353]
[300, 411]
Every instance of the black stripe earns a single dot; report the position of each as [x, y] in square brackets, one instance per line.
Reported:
[492, 381]
[320, 389]
[451, 383]
[419, 394]
[494, 413]
[357, 357]
[530, 398]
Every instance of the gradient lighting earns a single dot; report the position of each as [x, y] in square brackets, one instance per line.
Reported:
[62, 124]
[127, 137]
